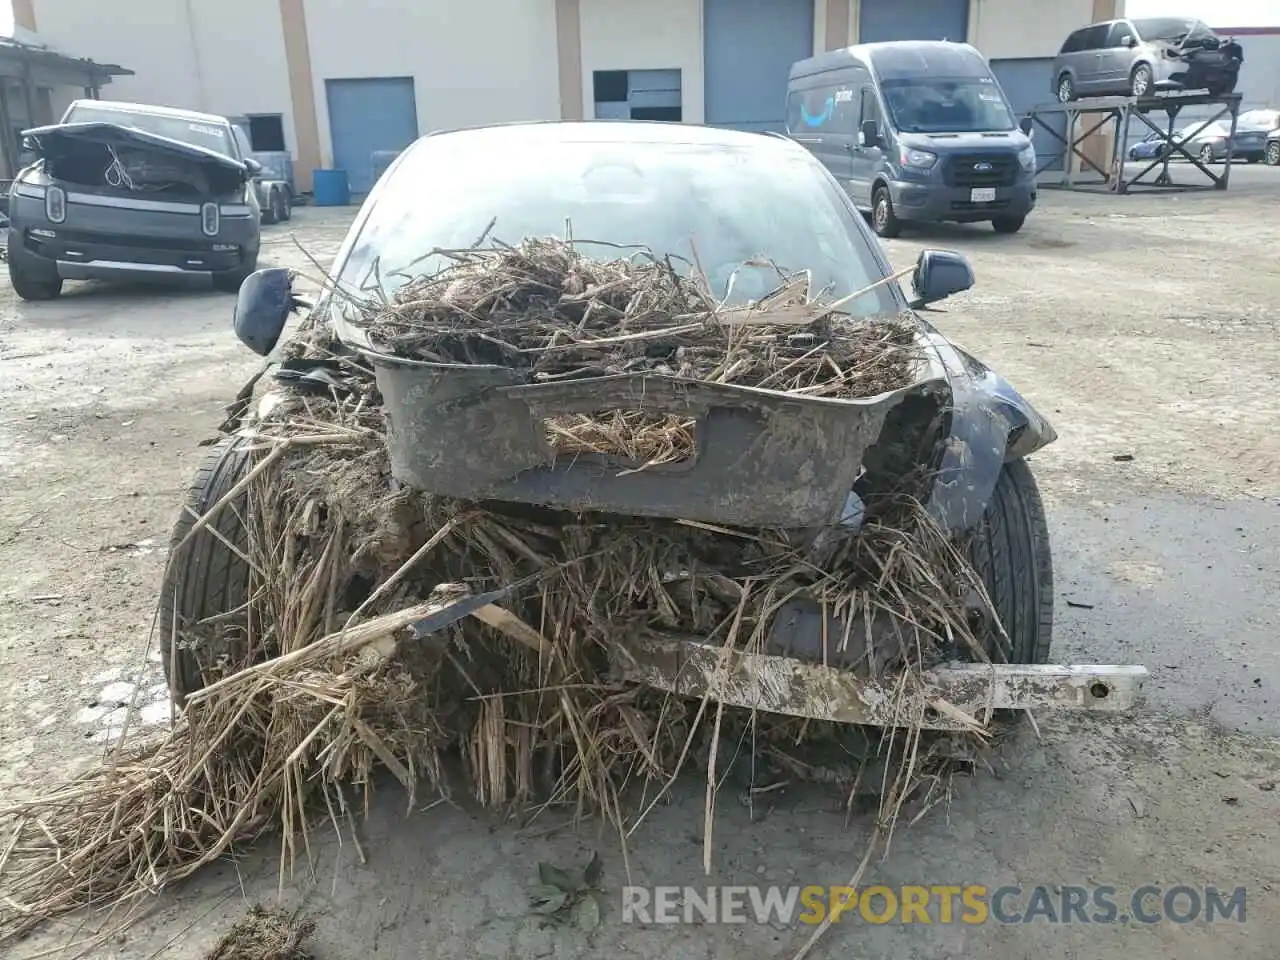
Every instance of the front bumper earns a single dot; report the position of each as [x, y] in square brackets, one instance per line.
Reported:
[102, 240]
[936, 202]
[1199, 72]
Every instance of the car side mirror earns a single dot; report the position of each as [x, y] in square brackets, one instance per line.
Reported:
[869, 134]
[253, 166]
[1128, 41]
[1027, 126]
[938, 275]
[262, 308]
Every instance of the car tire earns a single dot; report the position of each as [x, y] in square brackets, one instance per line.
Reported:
[883, 219]
[1206, 154]
[1140, 80]
[229, 281]
[1273, 154]
[277, 202]
[206, 578]
[287, 205]
[1010, 551]
[1007, 224]
[30, 277]
[1066, 88]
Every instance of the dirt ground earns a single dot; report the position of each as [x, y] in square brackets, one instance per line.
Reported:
[1147, 328]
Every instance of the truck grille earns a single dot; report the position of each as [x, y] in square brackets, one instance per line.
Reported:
[981, 170]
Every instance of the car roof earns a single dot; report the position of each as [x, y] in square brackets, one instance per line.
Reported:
[511, 135]
[149, 108]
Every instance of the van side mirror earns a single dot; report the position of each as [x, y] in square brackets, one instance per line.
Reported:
[262, 308]
[938, 275]
[869, 135]
[1027, 125]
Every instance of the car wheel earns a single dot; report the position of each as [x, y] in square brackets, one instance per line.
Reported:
[1066, 88]
[1140, 80]
[1007, 224]
[278, 212]
[31, 278]
[1206, 154]
[1010, 550]
[883, 220]
[1273, 154]
[207, 577]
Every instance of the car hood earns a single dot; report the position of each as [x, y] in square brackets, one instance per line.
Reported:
[1011, 140]
[63, 139]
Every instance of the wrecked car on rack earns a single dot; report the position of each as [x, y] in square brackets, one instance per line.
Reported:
[954, 433]
[132, 192]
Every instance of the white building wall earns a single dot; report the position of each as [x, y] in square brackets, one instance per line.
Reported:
[1259, 84]
[1025, 28]
[654, 35]
[471, 62]
[226, 57]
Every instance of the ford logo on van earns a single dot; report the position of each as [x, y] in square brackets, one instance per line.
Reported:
[982, 167]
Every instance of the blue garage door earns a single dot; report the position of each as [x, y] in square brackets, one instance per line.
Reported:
[1027, 84]
[749, 48]
[367, 116]
[881, 20]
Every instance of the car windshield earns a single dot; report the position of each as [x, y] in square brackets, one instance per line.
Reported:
[1170, 28]
[210, 136]
[723, 204]
[939, 105]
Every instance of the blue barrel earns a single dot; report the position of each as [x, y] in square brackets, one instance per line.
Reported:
[330, 188]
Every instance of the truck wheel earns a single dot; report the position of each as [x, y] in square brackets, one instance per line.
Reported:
[1007, 224]
[1010, 550]
[1140, 80]
[278, 212]
[883, 220]
[267, 212]
[205, 578]
[31, 278]
[286, 205]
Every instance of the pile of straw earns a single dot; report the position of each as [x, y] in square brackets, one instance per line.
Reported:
[324, 686]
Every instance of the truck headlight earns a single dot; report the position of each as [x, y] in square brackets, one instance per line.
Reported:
[210, 219]
[918, 159]
[1027, 157]
[55, 204]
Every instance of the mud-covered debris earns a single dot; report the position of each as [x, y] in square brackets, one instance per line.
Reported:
[265, 935]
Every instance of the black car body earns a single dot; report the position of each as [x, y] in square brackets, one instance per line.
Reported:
[134, 192]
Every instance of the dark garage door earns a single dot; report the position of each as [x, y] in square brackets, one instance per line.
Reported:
[366, 116]
[881, 20]
[1027, 84]
[749, 48]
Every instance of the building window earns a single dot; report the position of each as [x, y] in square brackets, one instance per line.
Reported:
[266, 132]
[637, 95]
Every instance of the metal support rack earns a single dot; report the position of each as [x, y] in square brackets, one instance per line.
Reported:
[1088, 116]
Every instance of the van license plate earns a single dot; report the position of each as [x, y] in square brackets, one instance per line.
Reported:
[982, 194]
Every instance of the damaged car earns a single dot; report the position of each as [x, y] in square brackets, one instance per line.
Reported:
[134, 192]
[1139, 56]
[956, 432]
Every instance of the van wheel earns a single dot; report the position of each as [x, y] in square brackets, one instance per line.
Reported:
[883, 220]
[1066, 88]
[1140, 80]
[1007, 224]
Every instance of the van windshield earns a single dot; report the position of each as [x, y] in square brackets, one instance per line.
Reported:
[941, 105]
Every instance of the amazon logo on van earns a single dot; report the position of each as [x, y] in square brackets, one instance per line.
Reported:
[813, 120]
